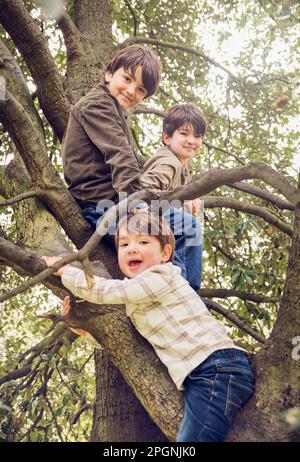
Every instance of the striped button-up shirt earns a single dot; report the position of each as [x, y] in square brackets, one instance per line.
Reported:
[165, 310]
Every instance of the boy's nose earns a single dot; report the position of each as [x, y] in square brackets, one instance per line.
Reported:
[131, 89]
[131, 249]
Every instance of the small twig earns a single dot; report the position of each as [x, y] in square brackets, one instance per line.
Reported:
[135, 22]
[84, 408]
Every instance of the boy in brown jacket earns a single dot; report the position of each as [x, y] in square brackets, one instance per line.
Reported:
[98, 157]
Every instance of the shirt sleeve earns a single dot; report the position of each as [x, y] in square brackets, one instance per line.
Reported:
[102, 124]
[160, 177]
[152, 284]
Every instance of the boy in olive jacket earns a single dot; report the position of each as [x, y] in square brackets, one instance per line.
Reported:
[184, 127]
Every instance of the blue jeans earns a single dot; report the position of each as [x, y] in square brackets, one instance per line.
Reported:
[187, 232]
[213, 394]
[188, 250]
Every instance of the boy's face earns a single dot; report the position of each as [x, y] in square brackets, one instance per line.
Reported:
[137, 252]
[128, 89]
[184, 142]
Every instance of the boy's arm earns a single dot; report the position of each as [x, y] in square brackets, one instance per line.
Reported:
[149, 285]
[102, 124]
[160, 176]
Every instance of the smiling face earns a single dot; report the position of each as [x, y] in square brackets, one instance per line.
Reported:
[184, 142]
[126, 87]
[137, 252]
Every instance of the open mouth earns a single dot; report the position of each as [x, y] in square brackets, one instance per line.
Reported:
[133, 264]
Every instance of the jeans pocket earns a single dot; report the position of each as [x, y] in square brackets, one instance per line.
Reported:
[239, 391]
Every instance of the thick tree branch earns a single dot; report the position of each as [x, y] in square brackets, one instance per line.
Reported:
[89, 15]
[234, 319]
[41, 171]
[262, 212]
[16, 84]
[202, 183]
[26, 138]
[71, 35]
[33, 46]
[226, 293]
[183, 48]
[206, 182]
[263, 194]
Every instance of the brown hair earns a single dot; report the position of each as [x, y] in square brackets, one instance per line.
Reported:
[141, 221]
[181, 114]
[133, 56]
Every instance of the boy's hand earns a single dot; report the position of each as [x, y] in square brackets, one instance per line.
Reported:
[196, 205]
[66, 309]
[50, 260]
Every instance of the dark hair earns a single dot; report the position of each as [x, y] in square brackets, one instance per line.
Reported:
[133, 56]
[145, 221]
[181, 114]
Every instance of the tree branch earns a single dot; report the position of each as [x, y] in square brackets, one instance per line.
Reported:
[226, 293]
[149, 110]
[206, 182]
[71, 35]
[26, 138]
[174, 46]
[84, 408]
[262, 212]
[20, 197]
[16, 84]
[230, 154]
[135, 22]
[33, 46]
[234, 319]
[41, 171]
[262, 194]
[16, 374]
[202, 183]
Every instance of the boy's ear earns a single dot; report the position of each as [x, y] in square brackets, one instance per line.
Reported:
[107, 76]
[166, 253]
[166, 139]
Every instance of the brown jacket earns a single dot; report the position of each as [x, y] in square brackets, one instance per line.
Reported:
[98, 157]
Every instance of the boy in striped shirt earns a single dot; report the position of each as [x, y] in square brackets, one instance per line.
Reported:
[214, 374]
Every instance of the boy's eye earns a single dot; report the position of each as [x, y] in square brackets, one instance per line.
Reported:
[144, 242]
[124, 244]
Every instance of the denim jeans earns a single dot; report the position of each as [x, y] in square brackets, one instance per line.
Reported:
[188, 250]
[187, 232]
[213, 394]
[93, 216]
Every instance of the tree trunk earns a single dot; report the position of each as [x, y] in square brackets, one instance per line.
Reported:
[118, 415]
[277, 371]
